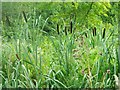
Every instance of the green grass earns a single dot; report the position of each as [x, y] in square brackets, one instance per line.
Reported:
[37, 59]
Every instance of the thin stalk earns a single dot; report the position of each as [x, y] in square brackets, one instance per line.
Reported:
[67, 64]
[19, 49]
[119, 37]
[36, 54]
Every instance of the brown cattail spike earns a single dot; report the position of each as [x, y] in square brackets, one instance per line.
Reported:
[58, 29]
[103, 36]
[17, 57]
[65, 30]
[24, 15]
[71, 27]
[95, 31]
[7, 20]
[86, 35]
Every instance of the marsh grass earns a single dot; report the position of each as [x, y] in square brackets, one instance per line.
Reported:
[33, 58]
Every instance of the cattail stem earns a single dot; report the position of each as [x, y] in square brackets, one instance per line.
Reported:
[71, 27]
[103, 33]
[8, 21]
[24, 15]
[65, 30]
[58, 29]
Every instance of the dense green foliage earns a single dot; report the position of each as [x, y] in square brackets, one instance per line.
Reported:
[59, 45]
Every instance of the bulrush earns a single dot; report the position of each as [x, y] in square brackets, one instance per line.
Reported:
[58, 29]
[103, 36]
[65, 30]
[24, 15]
[70, 26]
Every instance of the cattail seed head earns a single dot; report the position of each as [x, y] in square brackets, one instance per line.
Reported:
[95, 31]
[103, 36]
[83, 71]
[8, 21]
[24, 15]
[86, 35]
[108, 71]
[100, 53]
[58, 29]
[65, 30]
[17, 57]
[70, 26]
